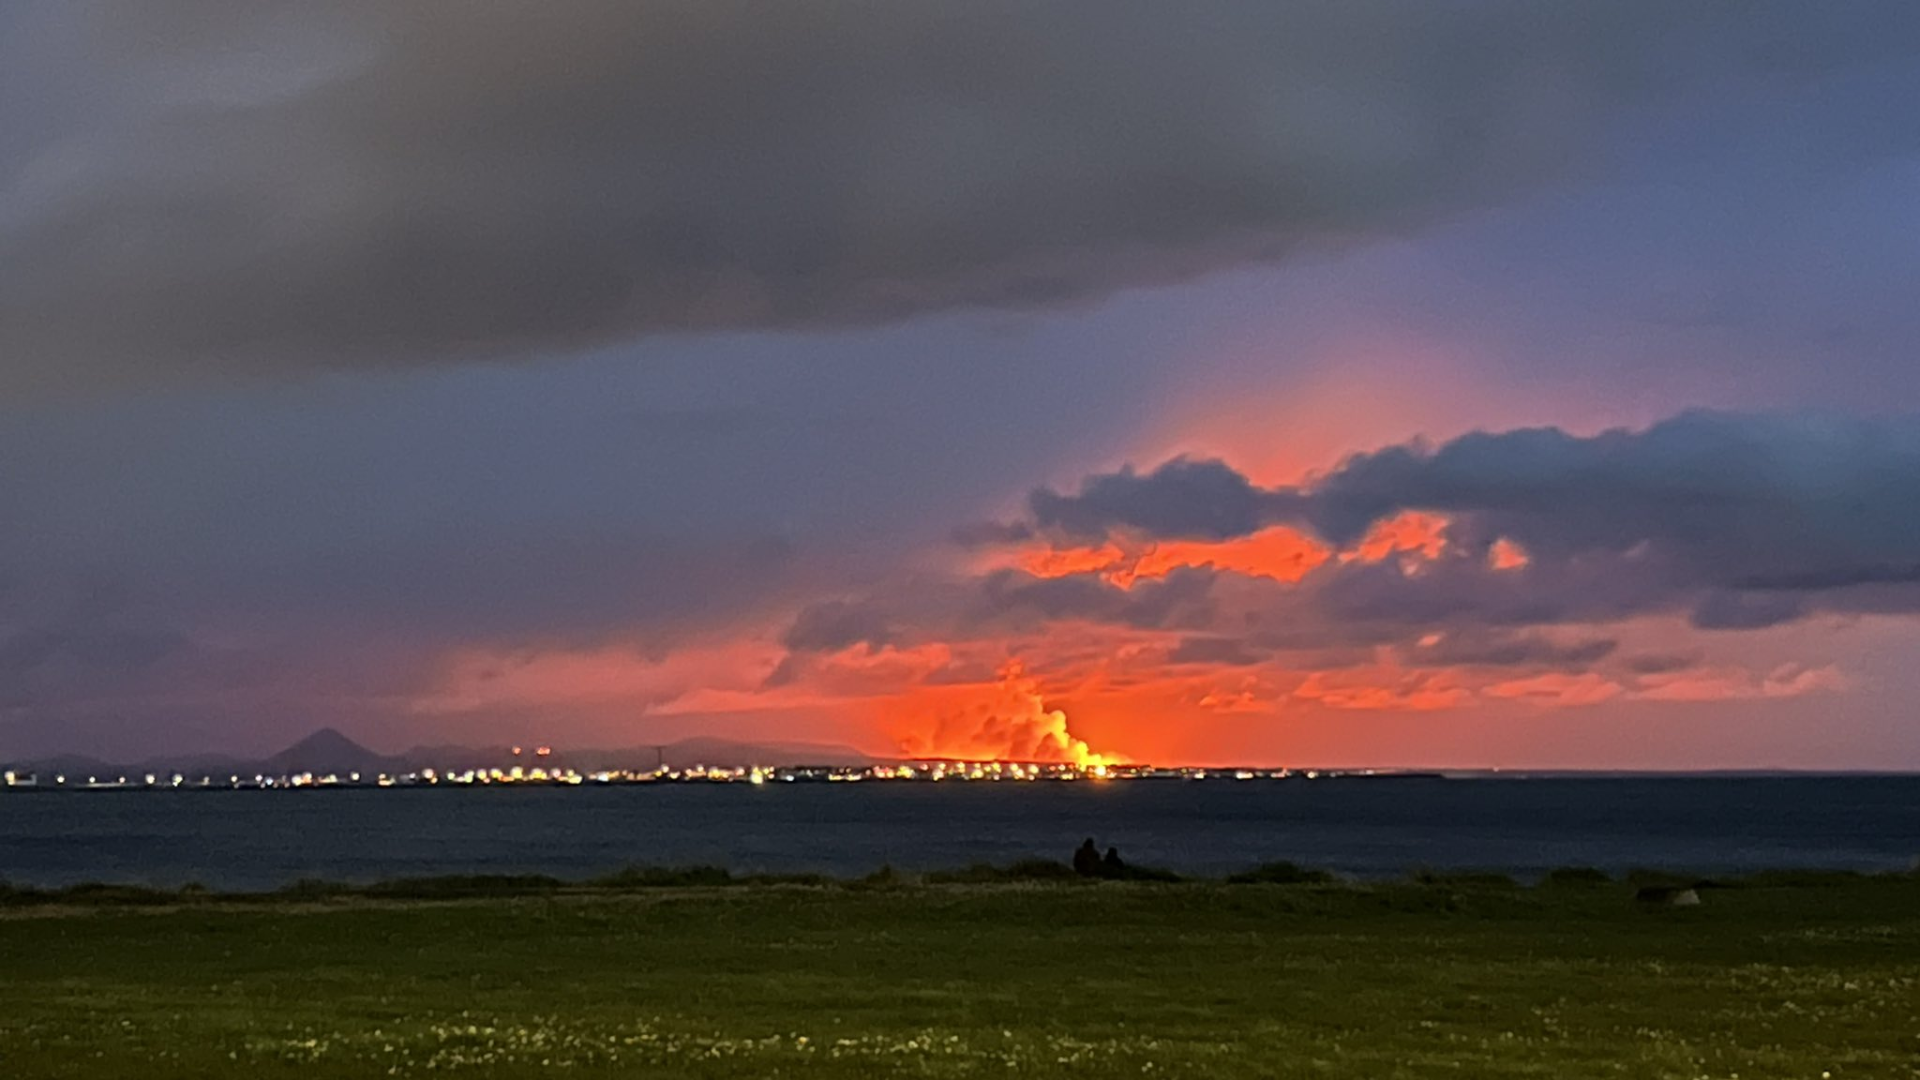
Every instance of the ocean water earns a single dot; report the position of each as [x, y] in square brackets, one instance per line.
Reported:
[261, 839]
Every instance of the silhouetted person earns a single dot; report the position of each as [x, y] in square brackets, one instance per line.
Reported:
[1111, 866]
[1086, 859]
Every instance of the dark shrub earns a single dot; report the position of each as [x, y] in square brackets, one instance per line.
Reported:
[462, 885]
[1280, 873]
[1793, 879]
[1643, 877]
[311, 889]
[815, 880]
[1039, 870]
[1585, 877]
[20, 895]
[1465, 879]
[94, 892]
[1021, 870]
[663, 877]
[1130, 872]
[881, 878]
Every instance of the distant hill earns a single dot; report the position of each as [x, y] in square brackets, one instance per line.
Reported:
[328, 751]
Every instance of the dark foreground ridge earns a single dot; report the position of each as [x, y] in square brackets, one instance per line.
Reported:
[1646, 886]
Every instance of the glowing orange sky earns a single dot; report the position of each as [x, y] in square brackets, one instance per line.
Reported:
[1086, 692]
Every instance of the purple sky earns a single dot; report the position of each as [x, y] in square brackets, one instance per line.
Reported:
[602, 373]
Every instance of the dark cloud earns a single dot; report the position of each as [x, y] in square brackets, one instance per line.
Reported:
[902, 612]
[1660, 663]
[1013, 598]
[59, 645]
[1513, 650]
[1724, 498]
[1737, 518]
[1001, 602]
[1203, 649]
[90, 649]
[836, 624]
[1383, 600]
[51, 666]
[1735, 521]
[1724, 610]
[990, 533]
[211, 185]
[1836, 579]
[1183, 498]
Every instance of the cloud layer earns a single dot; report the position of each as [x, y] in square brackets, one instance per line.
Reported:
[1528, 568]
[217, 186]
[1749, 520]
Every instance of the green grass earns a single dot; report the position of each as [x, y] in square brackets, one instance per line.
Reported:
[651, 974]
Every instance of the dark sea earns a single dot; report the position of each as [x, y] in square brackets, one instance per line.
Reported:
[1360, 827]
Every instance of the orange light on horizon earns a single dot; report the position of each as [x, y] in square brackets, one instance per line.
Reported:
[1005, 721]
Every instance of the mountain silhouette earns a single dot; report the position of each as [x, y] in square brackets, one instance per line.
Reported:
[327, 751]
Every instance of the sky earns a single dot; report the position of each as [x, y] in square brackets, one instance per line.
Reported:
[1441, 383]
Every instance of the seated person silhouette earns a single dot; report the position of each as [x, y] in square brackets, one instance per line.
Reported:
[1111, 866]
[1086, 859]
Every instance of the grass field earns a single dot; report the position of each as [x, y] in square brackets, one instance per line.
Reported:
[1446, 978]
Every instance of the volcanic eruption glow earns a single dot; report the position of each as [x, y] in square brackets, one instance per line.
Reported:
[1012, 723]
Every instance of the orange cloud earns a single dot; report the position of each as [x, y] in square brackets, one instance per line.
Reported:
[1558, 688]
[1507, 555]
[1280, 553]
[1052, 562]
[1247, 694]
[1739, 684]
[1422, 537]
[1385, 688]
[860, 671]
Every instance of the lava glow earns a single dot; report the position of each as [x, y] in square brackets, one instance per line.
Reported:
[1012, 723]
